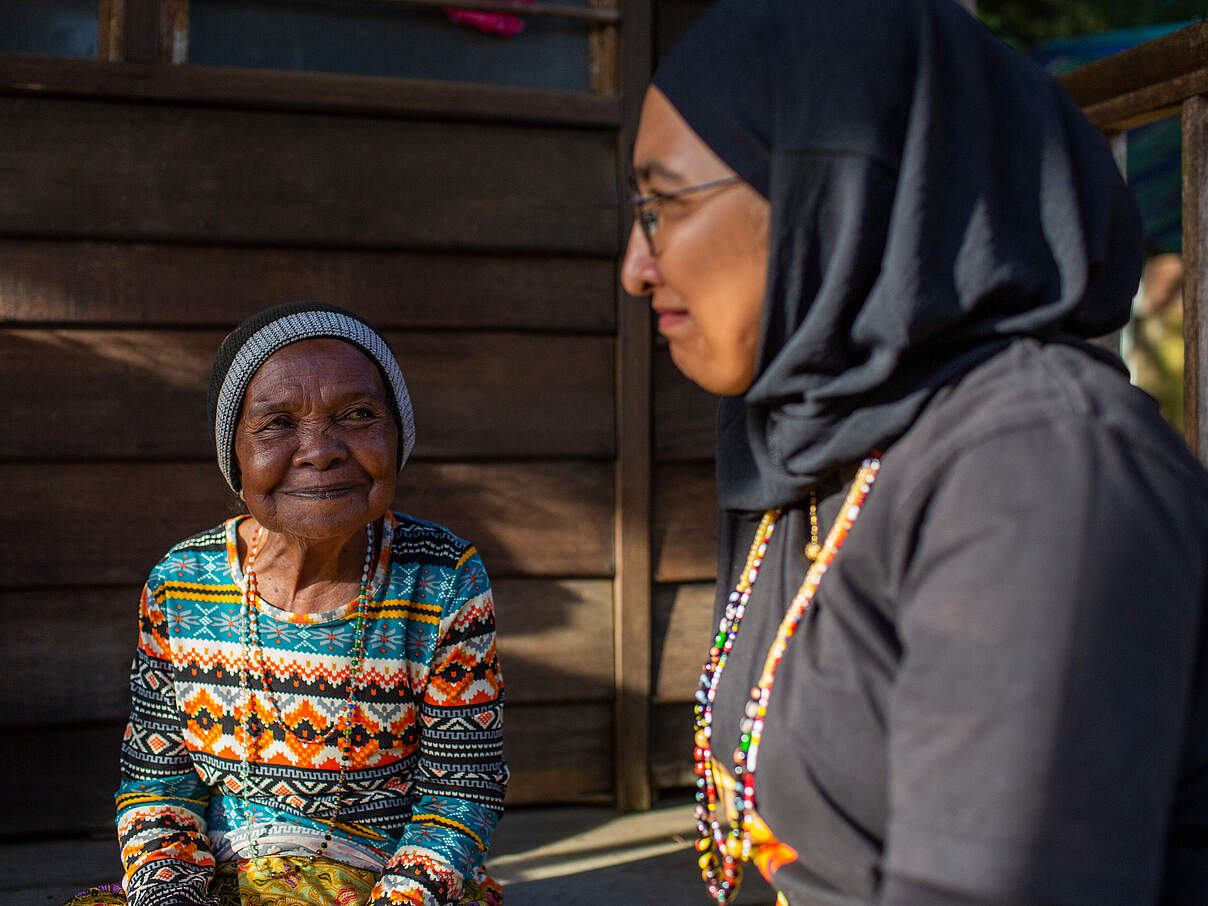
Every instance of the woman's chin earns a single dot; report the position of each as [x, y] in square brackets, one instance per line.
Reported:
[720, 378]
[322, 517]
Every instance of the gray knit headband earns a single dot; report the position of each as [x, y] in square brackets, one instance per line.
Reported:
[293, 328]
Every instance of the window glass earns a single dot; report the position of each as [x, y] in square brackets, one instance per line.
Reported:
[387, 40]
[56, 28]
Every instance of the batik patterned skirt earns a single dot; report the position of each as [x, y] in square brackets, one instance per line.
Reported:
[318, 883]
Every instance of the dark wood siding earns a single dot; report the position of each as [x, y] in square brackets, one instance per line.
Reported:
[135, 233]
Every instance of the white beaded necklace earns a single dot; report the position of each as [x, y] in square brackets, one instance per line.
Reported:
[251, 725]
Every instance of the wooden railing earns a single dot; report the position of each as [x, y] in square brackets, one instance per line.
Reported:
[1153, 81]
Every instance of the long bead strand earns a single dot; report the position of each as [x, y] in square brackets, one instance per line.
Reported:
[721, 854]
[250, 639]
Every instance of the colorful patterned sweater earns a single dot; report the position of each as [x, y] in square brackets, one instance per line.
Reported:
[426, 776]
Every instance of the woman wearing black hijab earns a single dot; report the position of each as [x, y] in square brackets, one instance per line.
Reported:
[961, 653]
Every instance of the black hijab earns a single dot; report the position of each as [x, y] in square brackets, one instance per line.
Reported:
[933, 194]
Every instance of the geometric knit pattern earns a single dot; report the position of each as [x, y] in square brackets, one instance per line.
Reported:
[425, 779]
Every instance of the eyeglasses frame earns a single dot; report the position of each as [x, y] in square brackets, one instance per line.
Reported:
[648, 220]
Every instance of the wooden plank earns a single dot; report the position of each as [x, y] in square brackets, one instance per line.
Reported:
[103, 283]
[685, 416]
[1195, 287]
[553, 639]
[61, 780]
[682, 626]
[558, 753]
[47, 872]
[685, 522]
[92, 524]
[1148, 103]
[305, 91]
[539, 620]
[671, 745]
[1146, 64]
[98, 626]
[302, 179]
[138, 394]
[634, 791]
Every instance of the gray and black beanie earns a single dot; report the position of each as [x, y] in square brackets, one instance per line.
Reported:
[249, 345]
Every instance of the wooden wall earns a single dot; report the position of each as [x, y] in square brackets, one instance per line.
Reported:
[147, 208]
[135, 232]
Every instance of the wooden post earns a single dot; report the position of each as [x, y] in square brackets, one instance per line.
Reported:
[631, 587]
[111, 17]
[604, 53]
[1195, 287]
[156, 31]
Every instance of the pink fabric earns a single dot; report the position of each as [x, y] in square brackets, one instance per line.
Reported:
[492, 23]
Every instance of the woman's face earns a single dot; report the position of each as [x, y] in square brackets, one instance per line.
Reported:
[316, 443]
[706, 282]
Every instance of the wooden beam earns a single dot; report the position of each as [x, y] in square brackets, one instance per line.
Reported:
[137, 394]
[1152, 63]
[539, 621]
[632, 609]
[1147, 104]
[303, 91]
[54, 283]
[201, 174]
[516, 514]
[1195, 286]
[60, 780]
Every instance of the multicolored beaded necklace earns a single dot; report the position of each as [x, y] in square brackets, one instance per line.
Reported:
[722, 853]
[250, 639]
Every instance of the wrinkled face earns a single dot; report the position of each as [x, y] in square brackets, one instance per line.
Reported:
[316, 443]
[706, 282]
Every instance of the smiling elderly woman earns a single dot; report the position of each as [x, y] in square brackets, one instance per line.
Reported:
[316, 696]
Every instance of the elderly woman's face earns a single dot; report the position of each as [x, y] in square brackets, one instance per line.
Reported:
[316, 443]
[706, 282]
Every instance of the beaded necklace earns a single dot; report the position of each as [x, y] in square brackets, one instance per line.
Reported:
[250, 639]
[721, 853]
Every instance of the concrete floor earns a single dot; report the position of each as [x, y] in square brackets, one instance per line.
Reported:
[570, 856]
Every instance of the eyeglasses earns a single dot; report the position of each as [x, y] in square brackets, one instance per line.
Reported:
[646, 207]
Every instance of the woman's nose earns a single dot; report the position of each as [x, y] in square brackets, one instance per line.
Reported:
[318, 448]
[639, 269]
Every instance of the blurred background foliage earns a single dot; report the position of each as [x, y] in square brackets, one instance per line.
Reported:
[1028, 23]
[1062, 35]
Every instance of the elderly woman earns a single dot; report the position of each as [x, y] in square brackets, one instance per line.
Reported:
[962, 628]
[316, 696]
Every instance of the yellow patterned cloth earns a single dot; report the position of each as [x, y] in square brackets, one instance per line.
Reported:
[322, 882]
